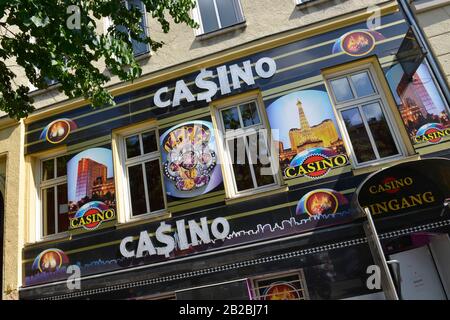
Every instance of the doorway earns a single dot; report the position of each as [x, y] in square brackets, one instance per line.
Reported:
[423, 259]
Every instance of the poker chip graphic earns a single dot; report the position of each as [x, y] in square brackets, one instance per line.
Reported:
[358, 42]
[281, 291]
[190, 159]
[58, 130]
[320, 201]
[50, 260]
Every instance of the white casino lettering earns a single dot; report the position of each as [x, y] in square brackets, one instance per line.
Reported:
[264, 68]
[199, 233]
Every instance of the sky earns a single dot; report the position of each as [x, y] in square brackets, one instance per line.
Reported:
[283, 114]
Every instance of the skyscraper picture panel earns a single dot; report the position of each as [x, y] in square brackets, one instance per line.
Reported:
[91, 189]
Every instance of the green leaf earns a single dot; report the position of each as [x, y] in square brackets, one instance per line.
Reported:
[40, 22]
[71, 56]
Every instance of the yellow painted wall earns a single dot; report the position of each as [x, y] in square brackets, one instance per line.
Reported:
[11, 160]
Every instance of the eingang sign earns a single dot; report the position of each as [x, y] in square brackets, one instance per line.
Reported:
[406, 187]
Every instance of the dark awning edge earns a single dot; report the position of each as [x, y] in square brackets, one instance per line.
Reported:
[246, 263]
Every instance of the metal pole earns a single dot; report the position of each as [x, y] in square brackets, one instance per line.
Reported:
[395, 265]
[387, 283]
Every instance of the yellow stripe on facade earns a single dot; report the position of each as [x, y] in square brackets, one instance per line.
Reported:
[231, 217]
[195, 204]
[170, 121]
[201, 197]
[215, 76]
[91, 143]
[312, 81]
[151, 108]
[267, 94]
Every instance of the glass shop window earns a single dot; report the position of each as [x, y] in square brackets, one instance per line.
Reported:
[420, 102]
[213, 15]
[53, 195]
[144, 176]
[284, 286]
[248, 162]
[368, 126]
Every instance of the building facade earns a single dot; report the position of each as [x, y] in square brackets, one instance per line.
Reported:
[229, 170]
[432, 17]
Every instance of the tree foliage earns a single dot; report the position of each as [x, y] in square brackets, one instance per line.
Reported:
[39, 36]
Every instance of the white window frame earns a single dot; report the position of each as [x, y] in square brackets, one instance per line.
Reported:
[358, 102]
[196, 15]
[274, 276]
[223, 137]
[55, 182]
[142, 159]
[108, 23]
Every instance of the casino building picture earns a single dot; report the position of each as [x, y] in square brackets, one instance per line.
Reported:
[285, 153]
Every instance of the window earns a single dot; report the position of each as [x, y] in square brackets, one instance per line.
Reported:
[287, 286]
[143, 174]
[53, 195]
[139, 48]
[247, 159]
[50, 82]
[214, 15]
[364, 118]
